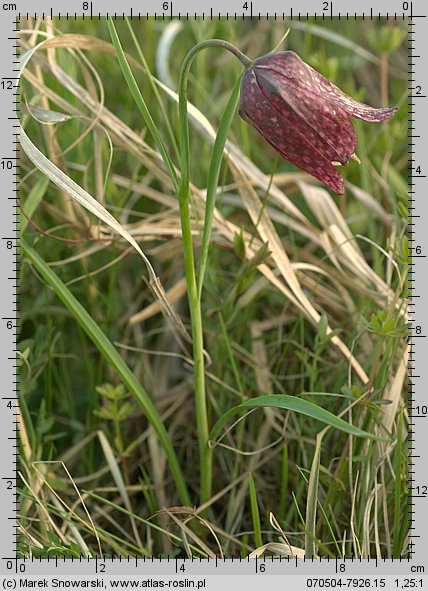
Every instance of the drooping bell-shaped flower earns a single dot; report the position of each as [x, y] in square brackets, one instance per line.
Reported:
[303, 115]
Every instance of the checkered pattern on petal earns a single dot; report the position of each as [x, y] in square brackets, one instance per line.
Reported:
[303, 115]
[286, 134]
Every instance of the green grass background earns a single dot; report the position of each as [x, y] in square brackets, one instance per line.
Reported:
[94, 475]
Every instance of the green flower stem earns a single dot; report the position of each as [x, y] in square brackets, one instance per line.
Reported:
[205, 454]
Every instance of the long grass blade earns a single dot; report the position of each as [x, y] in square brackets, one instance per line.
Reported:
[292, 403]
[312, 501]
[140, 102]
[154, 88]
[31, 203]
[255, 513]
[115, 361]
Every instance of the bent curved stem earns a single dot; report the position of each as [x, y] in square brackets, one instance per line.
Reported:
[205, 454]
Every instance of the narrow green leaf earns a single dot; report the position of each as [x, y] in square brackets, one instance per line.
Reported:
[151, 80]
[398, 489]
[149, 523]
[113, 358]
[284, 482]
[140, 102]
[31, 203]
[290, 403]
[255, 514]
[213, 176]
[312, 501]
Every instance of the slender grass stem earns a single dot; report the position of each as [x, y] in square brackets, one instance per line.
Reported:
[255, 513]
[140, 102]
[154, 88]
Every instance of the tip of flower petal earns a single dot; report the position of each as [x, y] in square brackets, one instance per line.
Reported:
[385, 114]
[355, 157]
[330, 177]
[338, 188]
[372, 115]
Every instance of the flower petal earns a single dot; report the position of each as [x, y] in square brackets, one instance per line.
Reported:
[289, 64]
[287, 133]
[323, 118]
[351, 106]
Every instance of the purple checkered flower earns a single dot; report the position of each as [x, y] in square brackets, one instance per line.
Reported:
[303, 115]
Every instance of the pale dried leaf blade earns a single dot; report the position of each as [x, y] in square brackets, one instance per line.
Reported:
[69, 508]
[370, 204]
[117, 477]
[394, 391]
[268, 233]
[46, 115]
[322, 205]
[189, 533]
[352, 258]
[78, 194]
[278, 550]
[66, 184]
[174, 293]
[25, 57]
